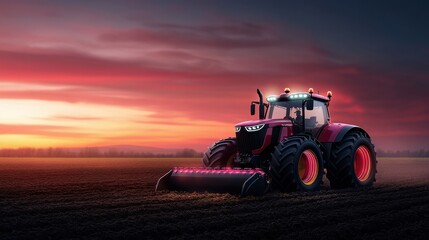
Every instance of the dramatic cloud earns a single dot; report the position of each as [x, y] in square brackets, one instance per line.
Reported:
[156, 74]
[242, 36]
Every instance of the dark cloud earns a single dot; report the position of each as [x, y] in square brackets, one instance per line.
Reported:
[234, 36]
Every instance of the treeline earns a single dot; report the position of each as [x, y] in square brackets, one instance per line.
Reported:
[115, 153]
[93, 153]
[403, 153]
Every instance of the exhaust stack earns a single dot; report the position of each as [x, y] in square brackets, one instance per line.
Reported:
[261, 104]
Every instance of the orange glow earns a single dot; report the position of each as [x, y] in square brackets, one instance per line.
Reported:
[37, 123]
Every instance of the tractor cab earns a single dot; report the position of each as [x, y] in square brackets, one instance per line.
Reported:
[308, 112]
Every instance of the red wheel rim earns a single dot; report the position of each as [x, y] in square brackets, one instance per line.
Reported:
[308, 167]
[362, 163]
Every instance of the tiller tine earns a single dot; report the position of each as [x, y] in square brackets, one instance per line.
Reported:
[235, 181]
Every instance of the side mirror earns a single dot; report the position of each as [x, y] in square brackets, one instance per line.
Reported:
[310, 104]
[252, 109]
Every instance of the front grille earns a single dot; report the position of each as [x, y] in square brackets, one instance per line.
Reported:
[248, 141]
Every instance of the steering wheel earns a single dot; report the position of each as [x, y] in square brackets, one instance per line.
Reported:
[289, 118]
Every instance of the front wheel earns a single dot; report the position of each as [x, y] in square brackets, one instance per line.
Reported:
[353, 162]
[297, 164]
[221, 154]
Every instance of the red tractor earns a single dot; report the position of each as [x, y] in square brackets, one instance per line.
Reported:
[287, 149]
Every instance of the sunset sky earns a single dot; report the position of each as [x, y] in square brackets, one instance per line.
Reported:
[177, 74]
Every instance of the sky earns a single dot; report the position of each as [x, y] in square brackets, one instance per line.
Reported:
[180, 74]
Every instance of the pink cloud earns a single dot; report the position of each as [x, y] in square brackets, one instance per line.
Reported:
[206, 71]
[63, 117]
[14, 8]
[234, 36]
[41, 130]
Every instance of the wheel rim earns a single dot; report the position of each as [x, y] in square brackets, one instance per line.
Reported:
[308, 167]
[362, 163]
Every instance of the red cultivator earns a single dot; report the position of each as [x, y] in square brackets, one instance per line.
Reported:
[287, 149]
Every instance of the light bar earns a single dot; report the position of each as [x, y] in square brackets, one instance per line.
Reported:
[217, 171]
[254, 128]
[299, 96]
[271, 99]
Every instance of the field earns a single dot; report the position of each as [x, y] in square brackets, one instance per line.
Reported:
[115, 198]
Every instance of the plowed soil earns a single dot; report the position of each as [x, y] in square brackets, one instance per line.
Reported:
[115, 199]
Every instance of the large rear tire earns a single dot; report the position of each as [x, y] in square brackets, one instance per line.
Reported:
[353, 162]
[297, 164]
[221, 154]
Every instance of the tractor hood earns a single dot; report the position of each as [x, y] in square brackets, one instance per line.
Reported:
[269, 122]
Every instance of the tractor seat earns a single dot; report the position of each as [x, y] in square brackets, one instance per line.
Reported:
[310, 123]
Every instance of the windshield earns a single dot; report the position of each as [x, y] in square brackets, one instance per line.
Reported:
[292, 110]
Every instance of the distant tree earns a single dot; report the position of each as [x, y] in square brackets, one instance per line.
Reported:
[187, 153]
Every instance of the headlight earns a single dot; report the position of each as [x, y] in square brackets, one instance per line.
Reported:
[255, 128]
[271, 99]
[237, 129]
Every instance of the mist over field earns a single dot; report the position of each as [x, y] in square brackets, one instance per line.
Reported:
[114, 198]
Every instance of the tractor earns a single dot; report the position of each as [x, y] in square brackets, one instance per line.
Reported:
[287, 149]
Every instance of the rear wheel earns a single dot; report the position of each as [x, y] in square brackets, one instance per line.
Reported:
[221, 154]
[353, 162]
[297, 164]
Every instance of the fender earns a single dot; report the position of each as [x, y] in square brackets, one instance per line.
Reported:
[335, 132]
